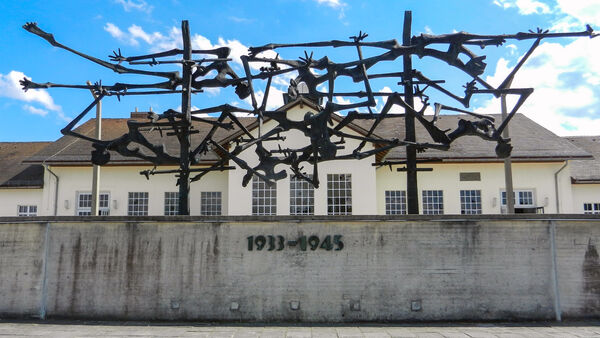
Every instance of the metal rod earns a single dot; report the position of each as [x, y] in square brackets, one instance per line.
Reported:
[184, 135]
[96, 168]
[508, 179]
[412, 192]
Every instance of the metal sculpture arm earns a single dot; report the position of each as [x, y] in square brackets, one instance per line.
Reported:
[33, 28]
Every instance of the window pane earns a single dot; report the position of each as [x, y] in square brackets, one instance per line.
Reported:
[470, 202]
[210, 203]
[26, 210]
[301, 196]
[433, 202]
[591, 208]
[137, 204]
[339, 194]
[171, 203]
[264, 197]
[395, 202]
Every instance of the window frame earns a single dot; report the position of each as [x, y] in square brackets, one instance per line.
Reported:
[145, 197]
[594, 208]
[467, 205]
[171, 203]
[339, 194]
[28, 212]
[429, 203]
[303, 191]
[260, 207]
[517, 197]
[87, 211]
[395, 202]
[211, 209]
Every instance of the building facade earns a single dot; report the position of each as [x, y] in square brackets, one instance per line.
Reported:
[467, 179]
[585, 176]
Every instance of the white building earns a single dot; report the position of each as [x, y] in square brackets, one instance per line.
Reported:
[585, 176]
[466, 179]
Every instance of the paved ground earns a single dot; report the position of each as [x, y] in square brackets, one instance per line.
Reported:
[139, 329]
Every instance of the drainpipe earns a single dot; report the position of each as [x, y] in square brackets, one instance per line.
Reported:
[556, 184]
[55, 188]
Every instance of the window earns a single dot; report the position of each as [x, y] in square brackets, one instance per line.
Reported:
[264, 197]
[470, 202]
[210, 203]
[137, 204]
[171, 203]
[84, 204]
[591, 208]
[339, 194]
[27, 210]
[433, 202]
[395, 202]
[523, 198]
[302, 197]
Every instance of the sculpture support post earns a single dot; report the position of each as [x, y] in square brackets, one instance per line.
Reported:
[508, 179]
[184, 132]
[96, 168]
[412, 194]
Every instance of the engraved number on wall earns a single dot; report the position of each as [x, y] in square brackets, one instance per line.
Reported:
[304, 243]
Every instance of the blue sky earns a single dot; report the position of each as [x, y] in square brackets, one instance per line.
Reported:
[565, 72]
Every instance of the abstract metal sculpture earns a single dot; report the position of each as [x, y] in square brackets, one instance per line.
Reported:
[323, 138]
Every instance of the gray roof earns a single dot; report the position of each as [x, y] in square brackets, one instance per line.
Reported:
[13, 172]
[586, 171]
[531, 141]
[75, 151]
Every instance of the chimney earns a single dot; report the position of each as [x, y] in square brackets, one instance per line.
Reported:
[138, 115]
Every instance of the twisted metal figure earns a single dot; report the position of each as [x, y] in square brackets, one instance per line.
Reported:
[324, 138]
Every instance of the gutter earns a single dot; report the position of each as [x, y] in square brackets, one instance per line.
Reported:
[556, 184]
[55, 188]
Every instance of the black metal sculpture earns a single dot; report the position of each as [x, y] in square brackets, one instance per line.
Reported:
[324, 139]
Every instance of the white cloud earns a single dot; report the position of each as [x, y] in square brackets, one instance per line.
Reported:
[584, 11]
[341, 100]
[274, 101]
[525, 7]
[160, 42]
[139, 5]
[238, 19]
[331, 3]
[34, 110]
[335, 4]
[138, 33]
[565, 79]
[118, 34]
[568, 14]
[212, 91]
[11, 88]
[172, 41]
[114, 31]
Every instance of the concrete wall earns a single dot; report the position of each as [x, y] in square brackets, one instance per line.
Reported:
[188, 268]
